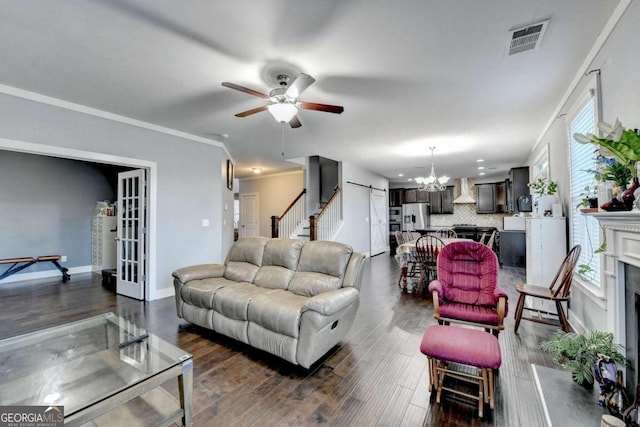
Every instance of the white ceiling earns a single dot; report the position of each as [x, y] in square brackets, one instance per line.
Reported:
[409, 73]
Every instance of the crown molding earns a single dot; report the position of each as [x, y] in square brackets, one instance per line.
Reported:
[61, 103]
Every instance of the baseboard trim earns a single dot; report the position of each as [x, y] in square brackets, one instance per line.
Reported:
[169, 291]
[45, 274]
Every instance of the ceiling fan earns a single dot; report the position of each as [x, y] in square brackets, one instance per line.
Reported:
[284, 104]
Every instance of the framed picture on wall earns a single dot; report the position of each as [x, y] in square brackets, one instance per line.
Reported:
[229, 175]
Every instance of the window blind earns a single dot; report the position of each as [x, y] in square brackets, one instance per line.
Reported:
[584, 229]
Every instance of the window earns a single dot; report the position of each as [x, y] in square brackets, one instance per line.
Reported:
[584, 228]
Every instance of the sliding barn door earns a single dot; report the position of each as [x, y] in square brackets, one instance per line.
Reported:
[378, 221]
[131, 234]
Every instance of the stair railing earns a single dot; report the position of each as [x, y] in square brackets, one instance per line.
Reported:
[285, 225]
[324, 225]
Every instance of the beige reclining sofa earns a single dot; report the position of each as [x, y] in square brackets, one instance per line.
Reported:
[293, 299]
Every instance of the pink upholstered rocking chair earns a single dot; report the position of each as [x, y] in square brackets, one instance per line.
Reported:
[466, 290]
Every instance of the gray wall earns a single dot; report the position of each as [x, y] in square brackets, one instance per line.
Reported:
[328, 178]
[618, 63]
[275, 194]
[355, 205]
[189, 188]
[46, 204]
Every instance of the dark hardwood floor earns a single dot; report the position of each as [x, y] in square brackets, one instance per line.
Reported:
[377, 377]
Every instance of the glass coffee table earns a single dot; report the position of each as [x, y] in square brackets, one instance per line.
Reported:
[91, 367]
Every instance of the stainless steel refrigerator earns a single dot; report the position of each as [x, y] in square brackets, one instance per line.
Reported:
[415, 216]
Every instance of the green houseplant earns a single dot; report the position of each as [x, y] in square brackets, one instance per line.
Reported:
[588, 198]
[578, 353]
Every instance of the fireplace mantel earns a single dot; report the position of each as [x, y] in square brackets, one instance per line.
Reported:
[622, 234]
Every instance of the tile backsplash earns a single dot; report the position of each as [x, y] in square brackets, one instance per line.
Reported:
[466, 213]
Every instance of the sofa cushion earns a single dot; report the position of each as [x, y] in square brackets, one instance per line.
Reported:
[310, 284]
[324, 257]
[232, 301]
[200, 292]
[273, 277]
[244, 259]
[321, 268]
[283, 253]
[279, 262]
[278, 311]
[240, 271]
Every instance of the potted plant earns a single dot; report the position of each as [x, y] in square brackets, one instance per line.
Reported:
[544, 193]
[578, 353]
[589, 199]
[624, 145]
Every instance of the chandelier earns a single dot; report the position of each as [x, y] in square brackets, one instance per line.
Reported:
[431, 183]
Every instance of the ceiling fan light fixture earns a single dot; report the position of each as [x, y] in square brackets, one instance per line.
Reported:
[283, 112]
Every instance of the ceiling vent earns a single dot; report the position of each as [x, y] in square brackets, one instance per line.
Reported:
[526, 38]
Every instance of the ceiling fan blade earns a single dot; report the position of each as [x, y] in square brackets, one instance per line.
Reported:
[322, 107]
[299, 85]
[245, 90]
[295, 122]
[250, 112]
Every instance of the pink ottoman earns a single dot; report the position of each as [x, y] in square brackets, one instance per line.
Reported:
[478, 349]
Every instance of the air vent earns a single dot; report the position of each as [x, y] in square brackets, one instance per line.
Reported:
[526, 38]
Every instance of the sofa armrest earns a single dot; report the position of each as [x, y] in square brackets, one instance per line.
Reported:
[196, 272]
[330, 302]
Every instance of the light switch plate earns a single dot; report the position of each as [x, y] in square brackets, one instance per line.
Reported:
[205, 222]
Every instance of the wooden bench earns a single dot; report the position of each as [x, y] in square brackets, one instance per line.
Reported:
[446, 346]
[18, 264]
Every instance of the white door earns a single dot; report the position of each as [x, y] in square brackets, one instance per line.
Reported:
[249, 215]
[378, 224]
[131, 234]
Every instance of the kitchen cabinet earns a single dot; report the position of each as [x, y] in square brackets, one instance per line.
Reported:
[501, 197]
[410, 195]
[491, 197]
[447, 200]
[424, 197]
[485, 198]
[518, 185]
[442, 201]
[513, 248]
[396, 197]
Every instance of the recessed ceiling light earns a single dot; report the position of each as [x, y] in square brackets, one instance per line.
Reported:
[400, 174]
[256, 170]
[410, 179]
[481, 173]
[480, 167]
[480, 160]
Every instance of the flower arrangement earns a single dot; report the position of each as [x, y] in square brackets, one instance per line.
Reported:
[541, 186]
[621, 143]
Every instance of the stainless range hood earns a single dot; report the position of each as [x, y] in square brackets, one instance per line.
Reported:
[464, 197]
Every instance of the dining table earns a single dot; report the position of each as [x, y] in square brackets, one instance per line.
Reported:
[406, 253]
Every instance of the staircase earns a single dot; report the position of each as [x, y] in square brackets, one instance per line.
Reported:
[323, 224]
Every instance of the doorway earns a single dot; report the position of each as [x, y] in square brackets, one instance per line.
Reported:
[249, 215]
[151, 170]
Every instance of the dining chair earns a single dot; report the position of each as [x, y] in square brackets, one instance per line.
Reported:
[445, 233]
[557, 292]
[427, 249]
[412, 266]
[483, 239]
[492, 239]
[466, 290]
